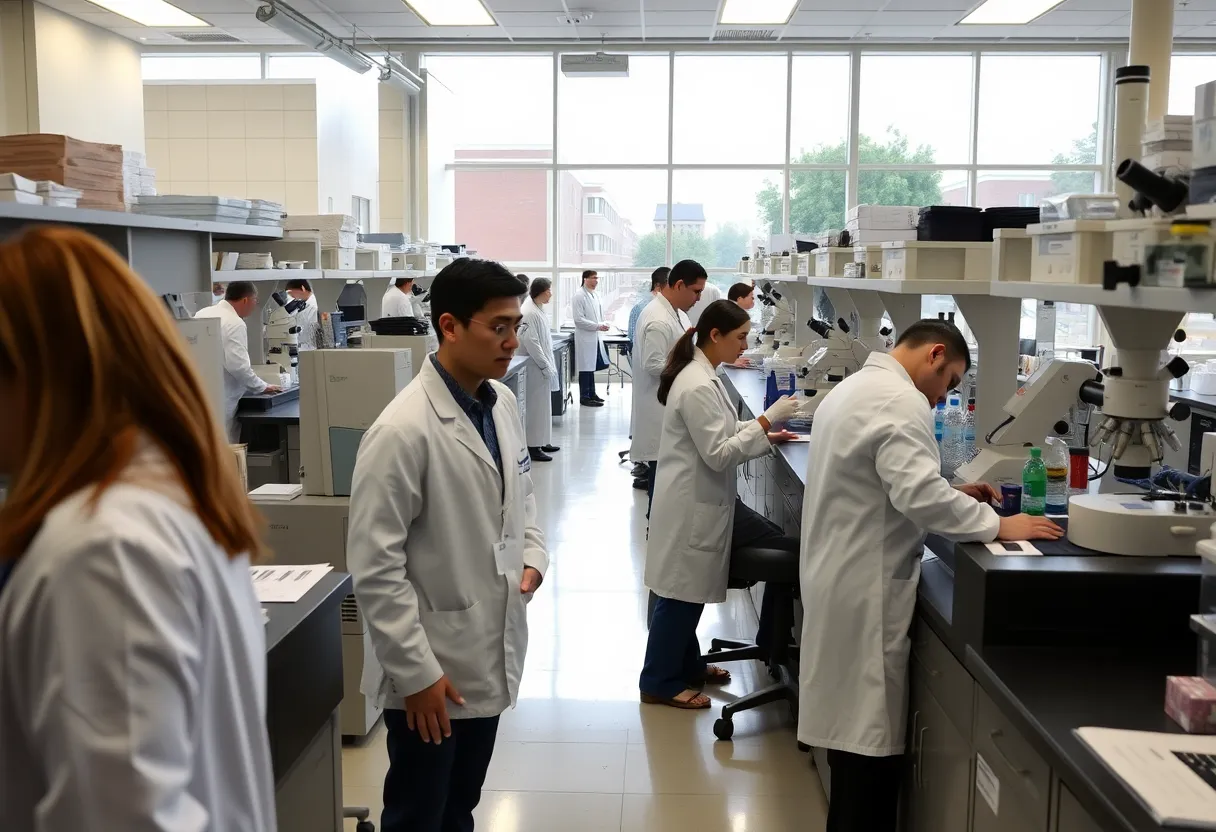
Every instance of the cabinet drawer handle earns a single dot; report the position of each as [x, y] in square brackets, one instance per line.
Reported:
[994, 735]
[920, 757]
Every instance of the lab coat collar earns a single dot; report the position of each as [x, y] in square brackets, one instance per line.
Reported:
[698, 358]
[883, 361]
[447, 409]
[669, 309]
[226, 309]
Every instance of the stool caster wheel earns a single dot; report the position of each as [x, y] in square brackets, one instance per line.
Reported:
[724, 729]
[803, 747]
[365, 826]
[714, 649]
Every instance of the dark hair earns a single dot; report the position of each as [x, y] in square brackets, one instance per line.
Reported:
[466, 285]
[239, 290]
[739, 291]
[299, 284]
[589, 273]
[937, 331]
[721, 315]
[538, 286]
[401, 281]
[687, 272]
[658, 278]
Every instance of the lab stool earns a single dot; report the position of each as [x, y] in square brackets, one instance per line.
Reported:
[360, 814]
[778, 569]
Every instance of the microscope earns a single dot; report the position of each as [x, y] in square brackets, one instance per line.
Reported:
[832, 357]
[282, 340]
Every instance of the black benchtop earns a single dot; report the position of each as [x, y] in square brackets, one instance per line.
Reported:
[1107, 668]
[285, 413]
[265, 401]
[1198, 400]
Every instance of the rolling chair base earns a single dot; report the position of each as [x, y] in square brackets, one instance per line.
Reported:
[785, 689]
[360, 814]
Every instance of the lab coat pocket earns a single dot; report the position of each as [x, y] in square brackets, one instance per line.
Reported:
[461, 640]
[709, 525]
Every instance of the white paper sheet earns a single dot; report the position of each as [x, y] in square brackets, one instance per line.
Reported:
[286, 584]
[1004, 547]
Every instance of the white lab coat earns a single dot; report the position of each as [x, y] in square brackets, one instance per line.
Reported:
[873, 491]
[703, 442]
[588, 341]
[437, 547]
[307, 319]
[659, 327]
[239, 377]
[708, 296]
[541, 378]
[397, 304]
[133, 684]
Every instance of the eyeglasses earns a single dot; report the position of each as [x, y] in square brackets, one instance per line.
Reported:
[502, 330]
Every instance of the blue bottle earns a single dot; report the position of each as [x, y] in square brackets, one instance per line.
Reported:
[939, 422]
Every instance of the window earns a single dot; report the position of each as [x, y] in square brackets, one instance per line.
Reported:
[912, 187]
[915, 109]
[1186, 73]
[717, 213]
[730, 109]
[999, 188]
[615, 120]
[196, 68]
[819, 119]
[595, 205]
[361, 210]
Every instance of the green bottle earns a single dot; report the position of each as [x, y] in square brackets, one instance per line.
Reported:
[1034, 484]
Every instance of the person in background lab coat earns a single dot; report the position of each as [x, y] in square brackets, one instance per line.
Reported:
[697, 518]
[743, 294]
[240, 301]
[658, 279]
[659, 328]
[306, 318]
[446, 552]
[217, 293]
[590, 354]
[398, 300]
[873, 491]
[133, 680]
[536, 338]
[711, 294]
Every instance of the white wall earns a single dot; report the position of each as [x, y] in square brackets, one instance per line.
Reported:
[393, 208]
[16, 77]
[348, 139]
[251, 141]
[89, 84]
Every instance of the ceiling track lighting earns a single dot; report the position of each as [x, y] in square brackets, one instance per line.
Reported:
[292, 23]
[389, 75]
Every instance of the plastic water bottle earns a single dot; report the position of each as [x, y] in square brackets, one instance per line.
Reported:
[939, 420]
[969, 448]
[953, 431]
[1056, 463]
[1034, 484]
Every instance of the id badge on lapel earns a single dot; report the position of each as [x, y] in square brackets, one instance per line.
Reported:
[509, 556]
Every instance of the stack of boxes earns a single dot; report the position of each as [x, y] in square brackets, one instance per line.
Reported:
[870, 226]
[137, 178]
[96, 170]
[338, 235]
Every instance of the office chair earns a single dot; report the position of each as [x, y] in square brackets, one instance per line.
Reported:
[775, 562]
[360, 814]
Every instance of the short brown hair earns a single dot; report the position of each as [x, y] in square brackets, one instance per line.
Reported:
[937, 331]
[739, 291]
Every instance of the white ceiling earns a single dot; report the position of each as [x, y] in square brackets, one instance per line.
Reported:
[865, 21]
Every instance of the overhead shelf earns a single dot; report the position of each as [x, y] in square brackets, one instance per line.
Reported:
[225, 275]
[1157, 298]
[124, 219]
[904, 287]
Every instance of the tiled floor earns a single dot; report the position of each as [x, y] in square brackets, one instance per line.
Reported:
[579, 753]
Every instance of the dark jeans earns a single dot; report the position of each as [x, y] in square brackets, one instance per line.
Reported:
[673, 661]
[586, 385]
[435, 788]
[654, 468]
[865, 792]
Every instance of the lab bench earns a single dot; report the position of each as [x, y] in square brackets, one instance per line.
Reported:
[1009, 656]
[563, 359]
[303, 692]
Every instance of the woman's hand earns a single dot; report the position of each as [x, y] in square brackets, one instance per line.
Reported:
[780, 436]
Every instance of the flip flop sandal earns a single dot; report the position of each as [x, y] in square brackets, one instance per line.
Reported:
[700, 702]
[715, 675]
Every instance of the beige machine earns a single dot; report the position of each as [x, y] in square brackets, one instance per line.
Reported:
[418, 345]
[205, 343]
[342, 392]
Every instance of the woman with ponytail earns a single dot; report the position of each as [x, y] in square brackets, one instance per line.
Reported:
[696, 519]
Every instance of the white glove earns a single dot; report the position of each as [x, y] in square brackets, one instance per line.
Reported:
[782, 410]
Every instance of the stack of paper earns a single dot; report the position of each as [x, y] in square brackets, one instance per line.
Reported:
[15, 188]
[277, 492]
[333, 230]
[286, 584]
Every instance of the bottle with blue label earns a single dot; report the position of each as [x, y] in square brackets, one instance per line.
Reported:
[782, 381]
[952, 436]
[939, 420]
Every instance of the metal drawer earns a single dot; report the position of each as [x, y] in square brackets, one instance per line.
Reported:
[1024, 776]
[947, 678]
[1070, 816]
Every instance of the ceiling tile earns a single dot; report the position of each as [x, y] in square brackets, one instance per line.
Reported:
[940, 18]
[810, 32]
[1066, 17]
[841, 5]
[698, 18]
[1096, 5]
[900, 31]
[831, 18]
[930, 5]
[553, 6]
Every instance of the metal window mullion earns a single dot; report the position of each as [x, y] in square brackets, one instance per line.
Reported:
[850, 199]
[972, 174]
[554, 229]
[789, 143]
[671, 146]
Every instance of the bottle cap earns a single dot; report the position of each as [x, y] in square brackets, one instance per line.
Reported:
[1035, 453]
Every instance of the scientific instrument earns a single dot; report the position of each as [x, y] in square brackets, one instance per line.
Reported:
[282, 339]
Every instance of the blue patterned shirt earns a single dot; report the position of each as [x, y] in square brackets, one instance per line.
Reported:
[636, 313]
[480, 410]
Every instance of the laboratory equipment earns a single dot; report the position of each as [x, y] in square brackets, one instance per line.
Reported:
[282, 333]
[312, 529]
[1034, 484]
[1131, 107]
[205, 343]
[835, 356]
[419, 346]
[342, 392]
[929, 260]
[1056, 463]
[1183, 259]
[1040, 407]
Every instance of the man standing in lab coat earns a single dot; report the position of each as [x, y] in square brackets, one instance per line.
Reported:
[306, 318]
[446, 552]
[590, 354]
[873, 491]
[240, 301]
[398, 300]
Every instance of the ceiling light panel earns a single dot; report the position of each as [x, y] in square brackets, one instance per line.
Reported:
[1008, 12]
[757, 12]
[156, 13]
[452, 12]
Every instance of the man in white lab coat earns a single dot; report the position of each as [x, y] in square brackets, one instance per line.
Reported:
[873, 491]
[660, 325]
[536, 339]
[446, 552]
[590, 354]
[240, 301]
[307, 317]
[711, 294]
[398, 300]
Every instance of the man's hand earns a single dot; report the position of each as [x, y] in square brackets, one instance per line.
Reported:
[427, 710]
[981, 492]
[780, 437]
[604, 327]
[532, 580]
[1026, 527]
[273, 388]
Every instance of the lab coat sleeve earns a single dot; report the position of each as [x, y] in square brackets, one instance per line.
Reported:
[720, 445]
[536, 554]
[119, 678]
[655, 350]
[385, 499]
[583, 313]
[909, 470]
[236, 358]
